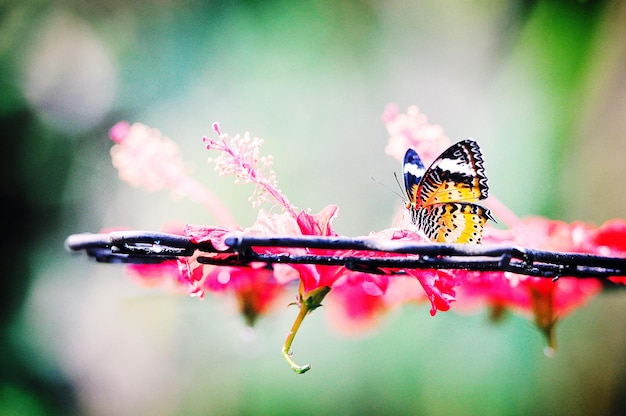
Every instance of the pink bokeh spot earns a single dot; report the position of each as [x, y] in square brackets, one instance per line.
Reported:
[119, 131]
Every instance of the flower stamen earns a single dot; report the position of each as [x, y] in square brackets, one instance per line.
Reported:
[240, 157]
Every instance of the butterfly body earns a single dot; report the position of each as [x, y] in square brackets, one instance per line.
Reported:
[441, 198]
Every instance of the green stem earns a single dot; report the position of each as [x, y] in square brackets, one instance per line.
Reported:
[307, 304]
[300, 369]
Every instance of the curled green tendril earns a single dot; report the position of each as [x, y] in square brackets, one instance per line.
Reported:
[312, 301]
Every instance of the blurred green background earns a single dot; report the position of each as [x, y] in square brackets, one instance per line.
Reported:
[541, 84]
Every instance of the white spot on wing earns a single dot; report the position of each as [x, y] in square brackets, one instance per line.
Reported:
[414, 170]
[456, 166]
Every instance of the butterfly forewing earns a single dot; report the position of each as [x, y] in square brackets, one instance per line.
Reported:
[456, 175]
[441, 197]
[413, 170]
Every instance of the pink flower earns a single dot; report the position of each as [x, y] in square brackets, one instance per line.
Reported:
[255, 288]
[545, 299]
[207, 234]
[144, 158]
[311, 276]
[412, 129]
[438, 285]
[357, 301]
[174, 274]
[153, 275]
[318, 224]
[610, 240]
[364, 297]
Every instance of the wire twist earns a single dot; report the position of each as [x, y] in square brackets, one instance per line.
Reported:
[360, 254]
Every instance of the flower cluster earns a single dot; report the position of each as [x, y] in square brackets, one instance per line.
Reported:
[413, 130]
[357, 299]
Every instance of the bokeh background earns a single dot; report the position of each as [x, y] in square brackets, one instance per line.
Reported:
[541, 84]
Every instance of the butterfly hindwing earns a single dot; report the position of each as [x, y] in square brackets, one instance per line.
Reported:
[441, 198]
[456, 175]
[452, 222]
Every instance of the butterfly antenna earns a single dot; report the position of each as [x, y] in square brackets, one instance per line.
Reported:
[387, 187]
[395, 175]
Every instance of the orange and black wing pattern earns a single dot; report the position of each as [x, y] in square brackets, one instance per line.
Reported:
[442, 197]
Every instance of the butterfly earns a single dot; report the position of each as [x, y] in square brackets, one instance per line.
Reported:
[441, 199]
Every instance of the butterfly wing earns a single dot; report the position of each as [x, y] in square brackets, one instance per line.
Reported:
[457, 175]
[452, 222]
[413, 170]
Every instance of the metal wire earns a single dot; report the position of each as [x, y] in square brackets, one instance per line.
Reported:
[359, 254]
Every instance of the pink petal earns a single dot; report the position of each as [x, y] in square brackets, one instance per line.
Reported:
[318, 224]
[203, 233]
